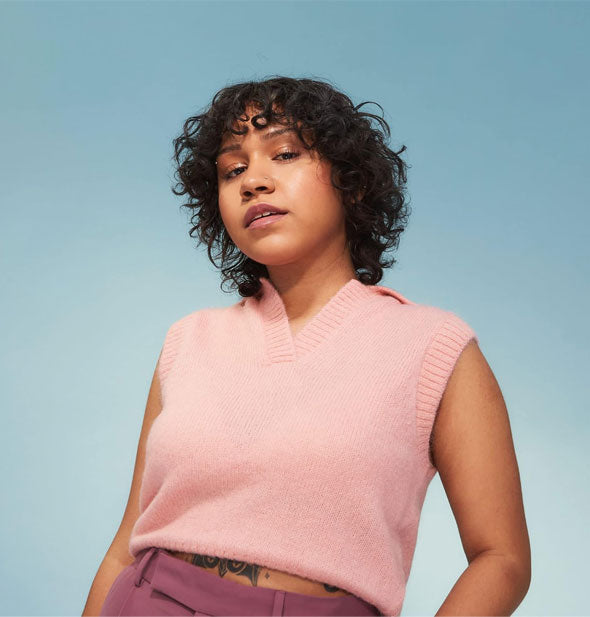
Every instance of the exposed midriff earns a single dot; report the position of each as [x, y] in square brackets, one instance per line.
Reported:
[254, 575]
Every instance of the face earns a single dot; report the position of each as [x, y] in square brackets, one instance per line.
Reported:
[278, 170]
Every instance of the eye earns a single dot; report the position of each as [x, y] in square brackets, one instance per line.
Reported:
[287, 153]
[291, 154]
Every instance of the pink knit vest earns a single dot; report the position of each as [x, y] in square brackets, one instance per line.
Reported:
[304, 453]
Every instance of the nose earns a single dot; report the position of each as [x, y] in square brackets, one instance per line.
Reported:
[255, 183]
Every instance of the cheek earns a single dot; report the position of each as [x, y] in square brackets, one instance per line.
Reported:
[315, 199]
[225, 210]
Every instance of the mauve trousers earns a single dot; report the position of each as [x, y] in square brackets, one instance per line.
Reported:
[157, 583]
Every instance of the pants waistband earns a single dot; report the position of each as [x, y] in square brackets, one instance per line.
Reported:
[205, 592]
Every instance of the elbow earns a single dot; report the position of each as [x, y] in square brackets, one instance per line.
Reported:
[520, 571]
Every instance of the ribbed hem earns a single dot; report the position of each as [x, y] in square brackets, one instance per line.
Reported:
[437, 367]
[170, 348]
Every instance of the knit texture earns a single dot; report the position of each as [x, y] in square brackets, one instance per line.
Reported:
[305, 453]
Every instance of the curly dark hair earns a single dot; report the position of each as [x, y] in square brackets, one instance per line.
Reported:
[370, 177]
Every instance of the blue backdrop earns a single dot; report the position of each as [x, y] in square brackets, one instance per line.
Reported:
[488, 97]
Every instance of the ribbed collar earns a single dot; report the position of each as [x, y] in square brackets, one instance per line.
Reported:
[281, 345]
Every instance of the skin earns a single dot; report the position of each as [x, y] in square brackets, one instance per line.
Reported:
[305, 252]
[473, 450]
[308, 261]
[254, 575]
[307, 258]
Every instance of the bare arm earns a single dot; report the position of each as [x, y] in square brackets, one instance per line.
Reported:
[474, 454]
[108, 571]
[117, 557]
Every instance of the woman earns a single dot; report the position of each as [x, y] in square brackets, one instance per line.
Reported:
[292, 435]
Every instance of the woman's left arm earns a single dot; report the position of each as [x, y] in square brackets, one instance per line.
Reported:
[474, 454]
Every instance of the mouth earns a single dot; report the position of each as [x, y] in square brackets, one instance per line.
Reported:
[260, 208]
[266, 220]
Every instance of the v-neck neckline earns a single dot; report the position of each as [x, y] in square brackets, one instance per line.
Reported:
[281, 345]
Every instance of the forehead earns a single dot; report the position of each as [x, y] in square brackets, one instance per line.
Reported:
[266, 134]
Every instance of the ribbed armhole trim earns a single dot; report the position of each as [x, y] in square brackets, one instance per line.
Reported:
[439, 360]
[170, 348]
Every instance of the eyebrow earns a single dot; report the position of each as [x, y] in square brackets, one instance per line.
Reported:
[265, 137]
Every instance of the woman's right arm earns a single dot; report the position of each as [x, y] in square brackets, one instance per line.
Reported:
[108, 571]
[117, 557]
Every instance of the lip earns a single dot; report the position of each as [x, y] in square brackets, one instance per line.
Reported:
[260, 208]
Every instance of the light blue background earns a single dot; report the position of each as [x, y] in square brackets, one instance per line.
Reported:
[491, 100]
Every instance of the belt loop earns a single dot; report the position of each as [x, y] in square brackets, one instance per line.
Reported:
[143, 563]
[279, 602]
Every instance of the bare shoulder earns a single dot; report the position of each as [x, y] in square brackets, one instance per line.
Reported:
[473, 451]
